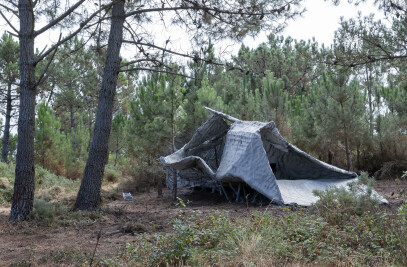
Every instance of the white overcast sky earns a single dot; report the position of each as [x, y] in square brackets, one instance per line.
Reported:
[320, 21]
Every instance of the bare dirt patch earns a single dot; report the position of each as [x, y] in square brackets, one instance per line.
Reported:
[65, 243]
[395, 191]
[71, 240]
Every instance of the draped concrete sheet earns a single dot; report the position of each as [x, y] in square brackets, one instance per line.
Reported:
[253, 152]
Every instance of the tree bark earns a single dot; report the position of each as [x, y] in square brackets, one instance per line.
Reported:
[89, 193]
[6, 134]
[369, 93]
[348, 159]
[23, 197]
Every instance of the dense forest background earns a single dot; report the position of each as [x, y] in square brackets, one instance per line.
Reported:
[354, 118]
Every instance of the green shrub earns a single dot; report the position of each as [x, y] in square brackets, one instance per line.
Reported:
[337, 205]
[194, 232]
[74, 171]
[6, 182]
[6, 193]
[45, 212]
[111, 174]
[46, 179]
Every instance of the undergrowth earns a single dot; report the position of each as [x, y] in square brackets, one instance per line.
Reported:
[343, 228]
[48, 186]
[291, 238]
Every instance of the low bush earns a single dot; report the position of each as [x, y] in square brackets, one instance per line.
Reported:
[6, 182]
[74, 171]
[45, 212]
[142, 179]
[111, 174]
[190, 233]
[6, 191]
[391, 170]
[338, 205]
[45, 179]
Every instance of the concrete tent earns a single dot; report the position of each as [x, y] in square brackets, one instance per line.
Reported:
[250, 158]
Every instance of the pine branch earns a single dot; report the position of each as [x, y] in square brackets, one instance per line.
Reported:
[60, 18]
[48, 64]
[197, 6]
[70, 36]
[9, 23]
[159, 71]
[15, 12]
[13, 34]
[137, 61]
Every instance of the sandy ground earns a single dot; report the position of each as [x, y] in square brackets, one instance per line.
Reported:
[120, 221]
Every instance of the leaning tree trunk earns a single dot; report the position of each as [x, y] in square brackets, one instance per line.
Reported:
[6, 134]
[23, 197]
[89, 193]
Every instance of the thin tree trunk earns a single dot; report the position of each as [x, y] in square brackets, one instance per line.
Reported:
[89, 193]
[6, 134]
[72, 114]
[23, 197]
[379, 131]
[369, 92]
[358, 155]
[175, 183]
[117, 151]
[159, 186]
[348, 160]
[330, 157]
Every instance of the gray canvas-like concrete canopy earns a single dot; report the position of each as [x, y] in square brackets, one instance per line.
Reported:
[254, 153]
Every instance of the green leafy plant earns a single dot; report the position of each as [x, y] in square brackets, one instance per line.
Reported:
[189, 233]
[44, 212]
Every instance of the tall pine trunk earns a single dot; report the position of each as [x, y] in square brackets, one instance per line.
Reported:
[23, 197]
[6, 134]
[89, 193]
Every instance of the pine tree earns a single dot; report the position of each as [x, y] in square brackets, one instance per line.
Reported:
[49, 140]
[117, 137]
[9, 74]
